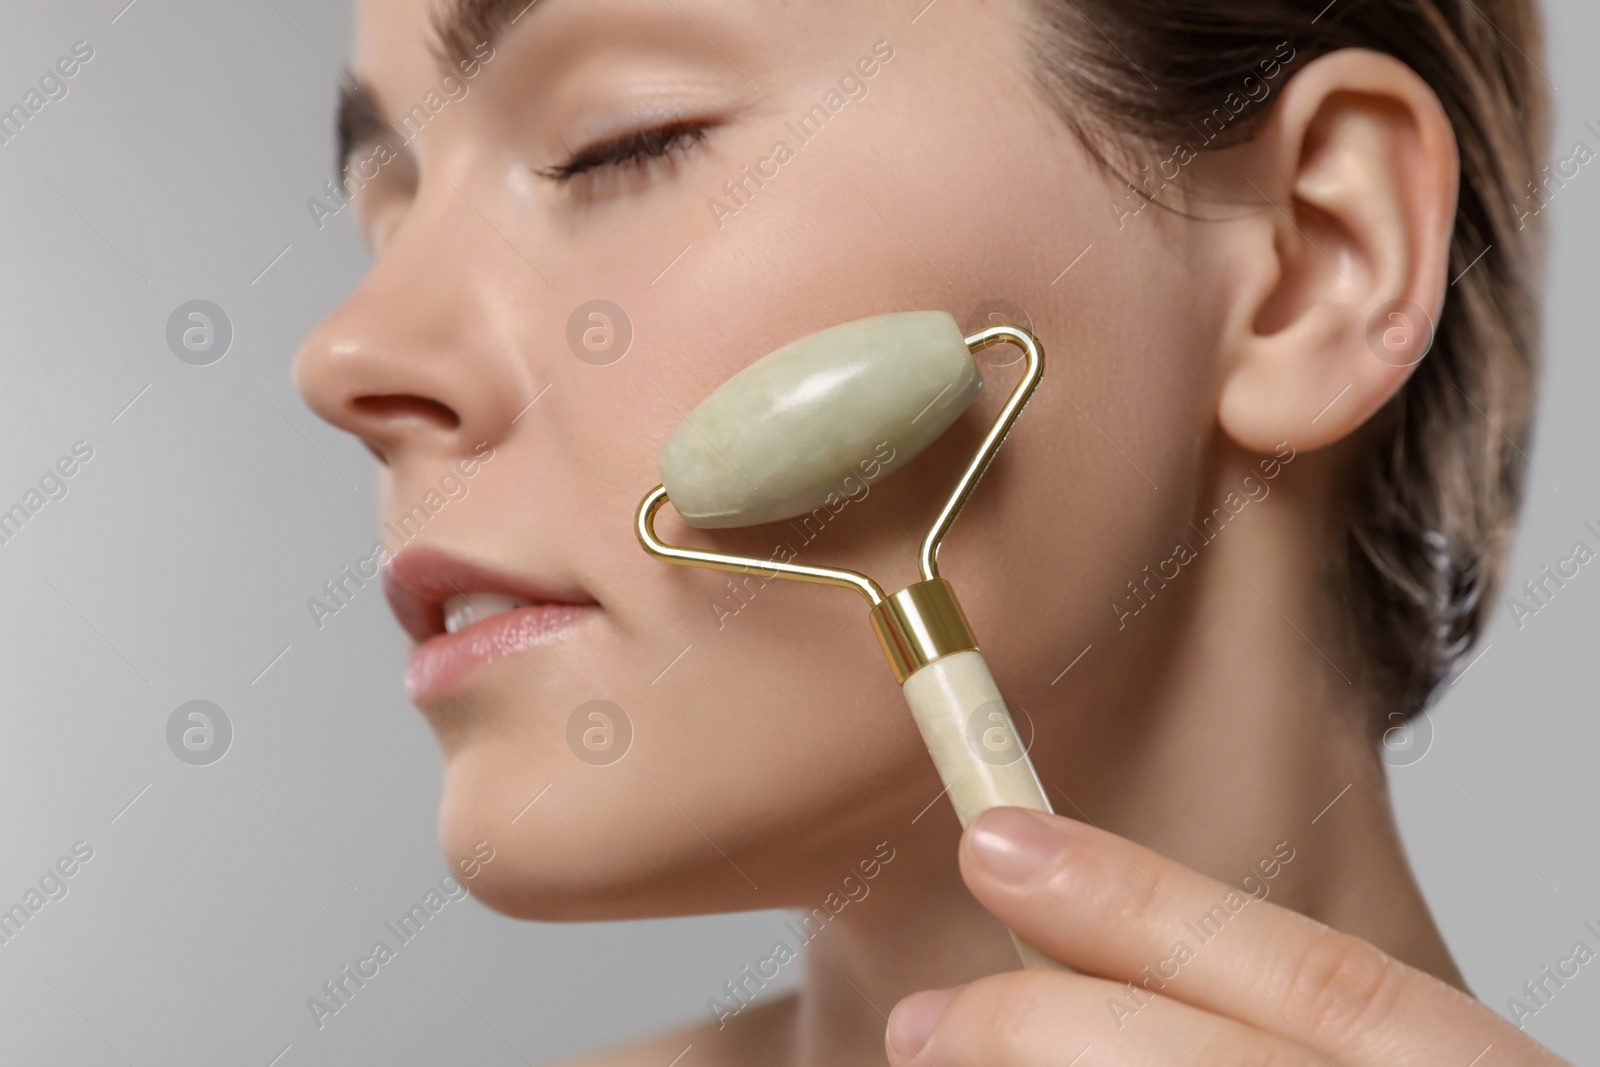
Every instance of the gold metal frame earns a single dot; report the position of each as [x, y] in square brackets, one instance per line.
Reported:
[923, 622]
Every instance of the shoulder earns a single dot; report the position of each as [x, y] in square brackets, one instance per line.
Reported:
[759, 1035]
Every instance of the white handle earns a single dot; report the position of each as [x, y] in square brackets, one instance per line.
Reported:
[974, 744]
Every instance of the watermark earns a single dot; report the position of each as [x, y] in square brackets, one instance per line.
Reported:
[599, 333]
[52, 887]
[199, 733]
[1256, 885]
[1568, 167]
[599, 733]
[1000, 312]
[853, 86]
[741, 990]
[1253, 90]
[1539, 592]
[52, 86]
[1400, 333]
[381, 152]
[1407, 740]
[852, 489]
[1141, 595]
[992, 734]
[341, 590]
[199, 333]
[1538, 992]
[341, 989]
[52, 486]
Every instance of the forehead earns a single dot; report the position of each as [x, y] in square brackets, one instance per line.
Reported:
[400, 51]
[394, 43]
[399, 57]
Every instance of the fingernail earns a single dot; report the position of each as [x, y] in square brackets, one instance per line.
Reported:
[913, 1019]
[1015, 845]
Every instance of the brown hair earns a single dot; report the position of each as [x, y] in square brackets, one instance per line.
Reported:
[1439, 473]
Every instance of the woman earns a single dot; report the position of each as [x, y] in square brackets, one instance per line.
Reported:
[1243, 531]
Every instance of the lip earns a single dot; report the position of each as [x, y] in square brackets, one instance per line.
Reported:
[418, 581]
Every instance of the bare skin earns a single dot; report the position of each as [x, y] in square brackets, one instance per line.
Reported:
[1194, 364]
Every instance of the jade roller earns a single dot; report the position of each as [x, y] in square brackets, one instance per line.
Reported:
[789, 432]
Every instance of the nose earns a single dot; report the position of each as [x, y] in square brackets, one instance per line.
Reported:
[420, 358]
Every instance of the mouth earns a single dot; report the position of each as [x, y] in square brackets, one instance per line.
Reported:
[464, 616]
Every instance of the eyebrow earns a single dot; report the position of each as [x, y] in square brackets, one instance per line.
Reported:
[360, 122]
[461, 26]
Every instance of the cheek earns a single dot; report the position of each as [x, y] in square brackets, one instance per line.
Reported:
[1100, 475]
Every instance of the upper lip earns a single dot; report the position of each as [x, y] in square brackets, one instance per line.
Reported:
[418, 581]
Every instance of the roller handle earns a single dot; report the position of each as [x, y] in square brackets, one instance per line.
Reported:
[975, 746]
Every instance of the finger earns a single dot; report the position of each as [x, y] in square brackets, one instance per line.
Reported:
[1054, 1019]
[1109, 907]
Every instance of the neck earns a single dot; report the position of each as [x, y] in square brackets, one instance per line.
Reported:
[1247, 740]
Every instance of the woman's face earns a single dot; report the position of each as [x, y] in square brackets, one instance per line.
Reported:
[802, 164]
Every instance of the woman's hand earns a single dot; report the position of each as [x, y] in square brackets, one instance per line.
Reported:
[1258, 984]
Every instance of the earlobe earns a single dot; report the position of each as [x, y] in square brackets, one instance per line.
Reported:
[1355, 175]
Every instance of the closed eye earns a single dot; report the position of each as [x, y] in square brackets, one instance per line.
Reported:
[630, 150]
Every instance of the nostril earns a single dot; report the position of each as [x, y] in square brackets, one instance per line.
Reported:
[390, 409]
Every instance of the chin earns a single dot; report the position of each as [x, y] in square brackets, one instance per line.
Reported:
[589, 849]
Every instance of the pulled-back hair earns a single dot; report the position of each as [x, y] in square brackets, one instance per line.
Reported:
[1438, 476]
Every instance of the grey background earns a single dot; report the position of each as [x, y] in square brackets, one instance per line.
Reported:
[178, 566]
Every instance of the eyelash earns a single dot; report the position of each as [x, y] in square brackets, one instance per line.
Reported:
[630, 150]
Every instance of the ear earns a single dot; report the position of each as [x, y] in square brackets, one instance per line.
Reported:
[1344, 265]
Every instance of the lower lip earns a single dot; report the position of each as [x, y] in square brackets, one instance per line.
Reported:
[442, 662]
